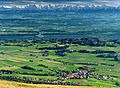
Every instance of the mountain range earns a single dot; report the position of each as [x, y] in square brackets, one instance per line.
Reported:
[61, 4]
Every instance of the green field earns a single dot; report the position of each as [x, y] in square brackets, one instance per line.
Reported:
[57, 63]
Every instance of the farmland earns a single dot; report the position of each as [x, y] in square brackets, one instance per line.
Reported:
[14, 24]
[59, 44]
[78, 62]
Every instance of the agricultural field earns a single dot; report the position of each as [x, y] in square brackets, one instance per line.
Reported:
[35, 24]
[60, 43]
[78, 62]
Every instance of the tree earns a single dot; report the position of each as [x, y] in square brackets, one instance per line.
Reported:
[117, 57]
[117, 83]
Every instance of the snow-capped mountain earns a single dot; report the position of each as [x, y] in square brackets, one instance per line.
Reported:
[56, 6]
[69, 5]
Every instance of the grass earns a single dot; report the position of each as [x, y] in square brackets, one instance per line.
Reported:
[15, 57]
[11, 84]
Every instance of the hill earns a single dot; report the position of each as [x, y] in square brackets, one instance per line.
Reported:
[10, 84]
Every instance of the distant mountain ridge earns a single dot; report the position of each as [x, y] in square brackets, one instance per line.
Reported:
[58, 6]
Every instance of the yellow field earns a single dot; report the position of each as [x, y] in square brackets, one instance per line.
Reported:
[11, 84]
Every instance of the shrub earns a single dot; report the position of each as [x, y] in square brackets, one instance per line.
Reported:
[117, 83]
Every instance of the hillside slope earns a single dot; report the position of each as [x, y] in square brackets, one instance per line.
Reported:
[10, 84]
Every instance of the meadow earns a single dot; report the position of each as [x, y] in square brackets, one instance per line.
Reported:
[61, 63]
[8, 84]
